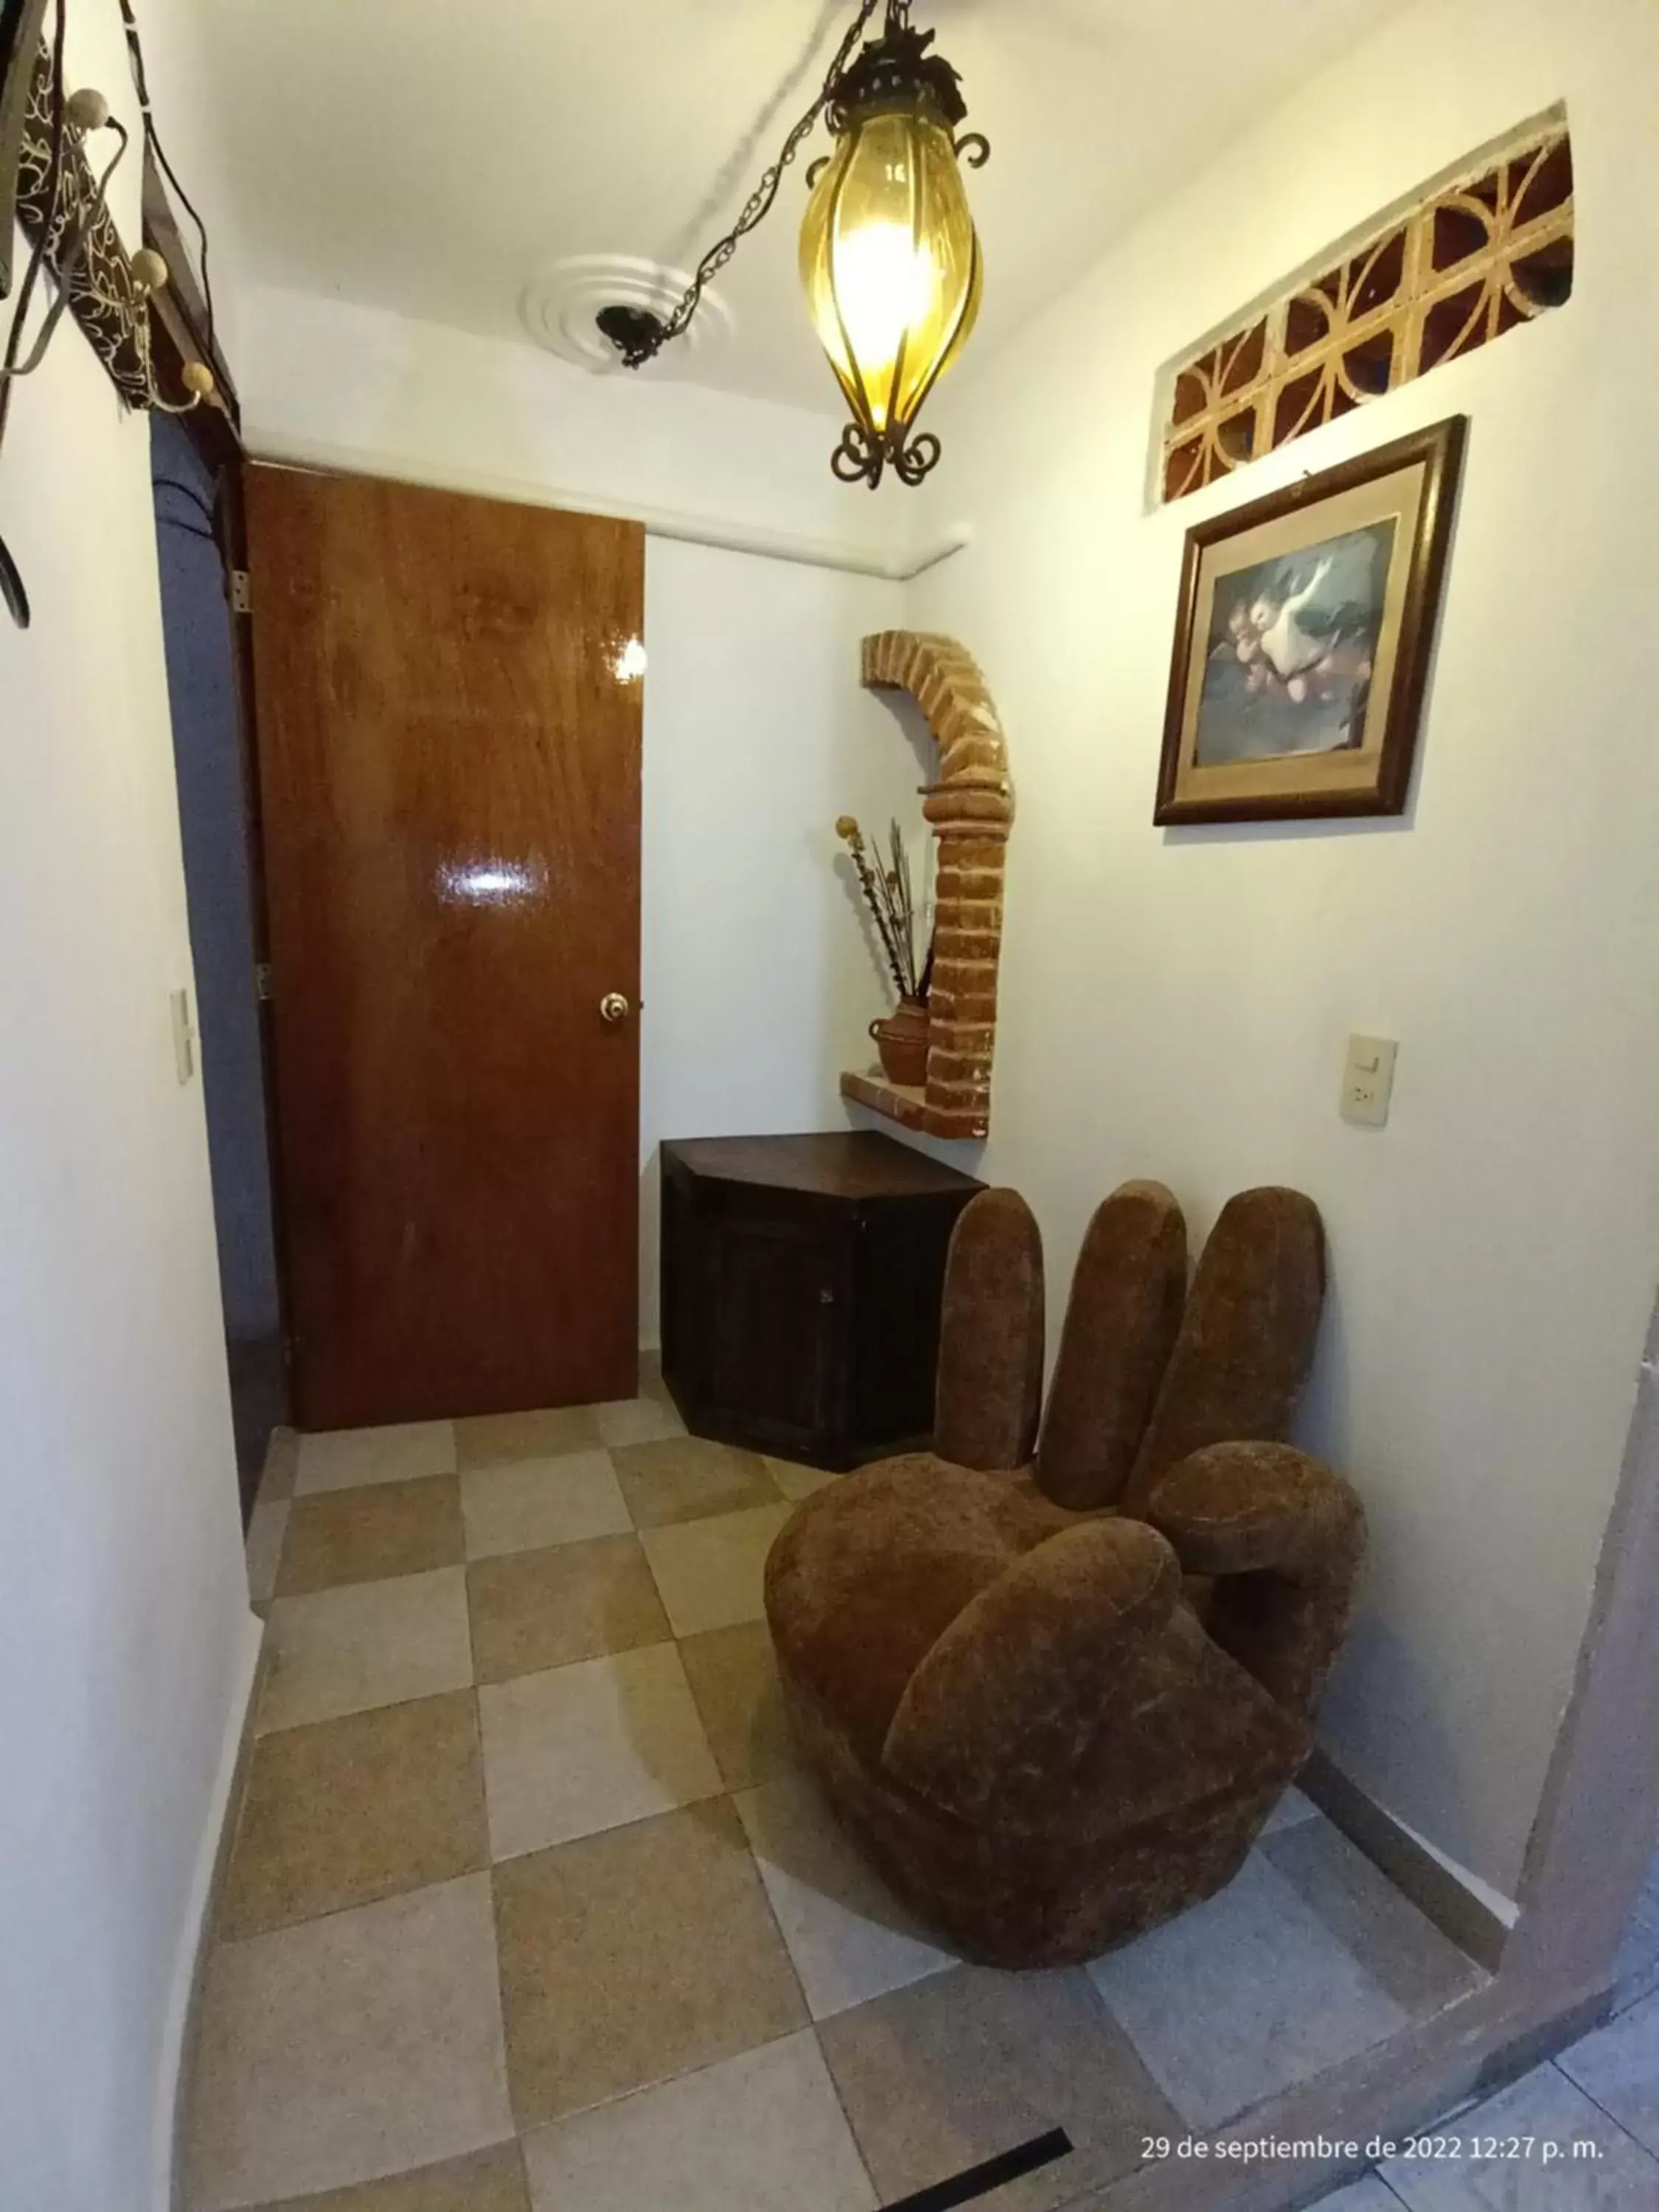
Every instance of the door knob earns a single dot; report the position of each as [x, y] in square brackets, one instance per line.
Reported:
[613, 1007]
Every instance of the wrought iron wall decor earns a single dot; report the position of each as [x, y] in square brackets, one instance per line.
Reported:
[1474, 259]
[62, 205]
[888, 254]
[62, 208]
[20, 36]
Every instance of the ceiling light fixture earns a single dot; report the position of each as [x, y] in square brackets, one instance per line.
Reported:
[888, 254]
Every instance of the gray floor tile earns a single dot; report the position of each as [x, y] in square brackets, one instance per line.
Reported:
[1618, 2066]
[525, 1505]
[349, 2048]
[711, 1573]
[1536, 2125]
[593, 1746]
[1637, 1970]
[1243, 1997]
[944, 2074]
[266, 1528]
[637, 1420]
[1291, 1808]
[368, 1644]
[345, 1459]
[1370, 2193]
[849, 1937]
[489, 2181]
[281, 1464]
[1404, 1952]
[761, 2132]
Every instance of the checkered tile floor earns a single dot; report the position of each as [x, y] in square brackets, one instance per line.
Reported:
[531, 1910]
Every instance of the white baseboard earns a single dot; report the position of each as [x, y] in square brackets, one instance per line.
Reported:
[173, 2088]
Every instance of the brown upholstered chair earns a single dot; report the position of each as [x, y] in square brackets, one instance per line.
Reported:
[1055, 1702]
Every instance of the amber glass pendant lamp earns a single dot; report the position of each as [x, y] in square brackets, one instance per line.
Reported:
[890, 256]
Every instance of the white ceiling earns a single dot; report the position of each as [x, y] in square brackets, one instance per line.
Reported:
[431, 155]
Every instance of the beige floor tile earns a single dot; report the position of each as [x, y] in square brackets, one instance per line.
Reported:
[492, 1439]
[345, 1459]
[638, 1420]
[848, 1936]
[371, 1643]
[634, 1956]
[267, 1526]
[945, 2075]
[735, 1679]
[688, 1479]
[370, 1534]
[580, 1748]
[350, 1810]
[796, 1481]
[524, 1505]
[531, 1610]
[490, 2181]
[350, 2048]
[710, 1572]
[281, 1464]
[761, 2132]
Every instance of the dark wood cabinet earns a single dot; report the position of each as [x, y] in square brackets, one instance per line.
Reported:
[801, 1281]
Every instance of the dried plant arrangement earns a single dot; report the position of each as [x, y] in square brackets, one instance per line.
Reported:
[890, 894]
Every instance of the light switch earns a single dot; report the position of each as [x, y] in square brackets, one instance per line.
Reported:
[1368, 1080]
[183, 1036]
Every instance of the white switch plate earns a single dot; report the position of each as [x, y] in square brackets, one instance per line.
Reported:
[183, 1036]
[1368, 1081]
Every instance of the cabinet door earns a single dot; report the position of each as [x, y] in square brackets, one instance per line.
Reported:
[775, 1301]
[898, 1290]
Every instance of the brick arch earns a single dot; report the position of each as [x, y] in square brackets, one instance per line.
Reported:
[971, 808]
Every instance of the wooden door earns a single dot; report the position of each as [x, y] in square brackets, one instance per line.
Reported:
[449, 744]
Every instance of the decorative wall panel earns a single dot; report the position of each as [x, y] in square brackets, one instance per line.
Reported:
[1474, 259]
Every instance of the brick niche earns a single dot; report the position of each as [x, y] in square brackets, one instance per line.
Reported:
[971, 808]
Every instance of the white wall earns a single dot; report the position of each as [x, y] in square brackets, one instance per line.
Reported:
[125, 1641]
[758, 978]
[356, 387]
[1176, 1004]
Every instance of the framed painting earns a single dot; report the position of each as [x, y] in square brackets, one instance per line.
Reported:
[1303, 643]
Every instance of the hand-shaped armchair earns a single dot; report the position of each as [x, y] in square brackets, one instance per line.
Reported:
[1055, 1702]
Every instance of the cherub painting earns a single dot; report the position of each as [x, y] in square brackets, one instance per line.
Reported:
[1304, 639]
[1291, 645]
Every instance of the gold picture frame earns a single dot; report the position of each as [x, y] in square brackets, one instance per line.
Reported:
[1302, 648]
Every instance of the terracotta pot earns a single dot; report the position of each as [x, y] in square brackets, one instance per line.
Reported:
[902, 1041]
